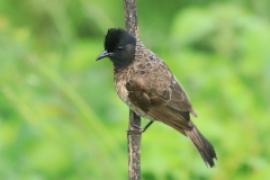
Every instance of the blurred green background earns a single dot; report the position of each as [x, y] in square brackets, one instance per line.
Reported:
[60, 117]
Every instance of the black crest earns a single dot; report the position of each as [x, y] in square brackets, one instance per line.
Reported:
[116, 37]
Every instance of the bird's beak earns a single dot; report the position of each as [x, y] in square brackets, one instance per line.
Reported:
[103, 55]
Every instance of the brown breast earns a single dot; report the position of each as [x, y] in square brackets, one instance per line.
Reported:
[120, 78]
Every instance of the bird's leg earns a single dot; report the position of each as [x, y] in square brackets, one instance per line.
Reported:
[147, 126]
[142, 130]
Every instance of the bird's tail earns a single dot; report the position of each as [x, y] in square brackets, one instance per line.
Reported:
[205, 149]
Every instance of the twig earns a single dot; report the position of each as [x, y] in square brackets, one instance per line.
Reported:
[134, 134]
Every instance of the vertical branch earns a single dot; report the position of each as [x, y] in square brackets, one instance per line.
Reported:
[131, 17]
[134, 135]
[134, 145]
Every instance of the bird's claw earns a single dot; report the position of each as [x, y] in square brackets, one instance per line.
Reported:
[134, 132]
[137, 130]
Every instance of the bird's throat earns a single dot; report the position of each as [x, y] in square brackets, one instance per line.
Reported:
[120, 64]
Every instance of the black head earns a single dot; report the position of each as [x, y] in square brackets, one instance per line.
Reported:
[119, 47]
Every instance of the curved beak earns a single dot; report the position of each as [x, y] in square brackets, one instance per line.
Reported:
[103, 55]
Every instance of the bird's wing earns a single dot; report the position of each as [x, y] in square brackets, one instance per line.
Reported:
[159, 96]
[179, 99]
[143, 96]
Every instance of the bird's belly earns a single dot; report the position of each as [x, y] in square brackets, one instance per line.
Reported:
[137, 110]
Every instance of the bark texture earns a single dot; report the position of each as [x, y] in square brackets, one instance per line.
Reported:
[134, 134]
[134, 145]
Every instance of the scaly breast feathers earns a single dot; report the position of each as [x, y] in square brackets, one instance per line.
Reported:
[123, 94]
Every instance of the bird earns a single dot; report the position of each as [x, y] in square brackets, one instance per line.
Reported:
[146, 84]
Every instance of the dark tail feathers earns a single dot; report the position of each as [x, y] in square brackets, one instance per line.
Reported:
[205, 149]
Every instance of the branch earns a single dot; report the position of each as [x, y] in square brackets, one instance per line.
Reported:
[134, 135]
[131, 17]
[134, 145]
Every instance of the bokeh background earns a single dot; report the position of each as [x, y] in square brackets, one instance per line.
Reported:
[60, 117]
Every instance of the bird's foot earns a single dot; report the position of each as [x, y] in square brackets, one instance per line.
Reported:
[134, 132]
[137, 130]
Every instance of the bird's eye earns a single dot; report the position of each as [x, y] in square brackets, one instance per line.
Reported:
[119, 48]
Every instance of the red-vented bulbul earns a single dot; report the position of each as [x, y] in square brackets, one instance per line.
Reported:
[145, 83]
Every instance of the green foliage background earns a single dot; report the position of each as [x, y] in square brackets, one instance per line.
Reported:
[60, 117]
